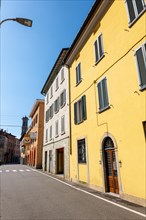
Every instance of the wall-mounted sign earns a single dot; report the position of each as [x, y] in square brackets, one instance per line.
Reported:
[26, 139]
[33, 135]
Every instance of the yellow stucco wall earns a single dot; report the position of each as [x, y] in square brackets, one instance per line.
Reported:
[127, 103]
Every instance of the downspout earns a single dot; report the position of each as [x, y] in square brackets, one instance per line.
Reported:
[69, 105]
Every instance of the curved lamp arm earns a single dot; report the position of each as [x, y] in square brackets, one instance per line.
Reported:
[23, 21]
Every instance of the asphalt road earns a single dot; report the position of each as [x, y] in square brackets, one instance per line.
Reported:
[26, 194]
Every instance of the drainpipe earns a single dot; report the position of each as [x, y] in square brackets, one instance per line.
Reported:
[69, 105]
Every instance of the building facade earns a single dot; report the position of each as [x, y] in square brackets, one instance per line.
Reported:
[32, 139]
[107, 62]
[9, 148]
[56, 125]
[34, 156]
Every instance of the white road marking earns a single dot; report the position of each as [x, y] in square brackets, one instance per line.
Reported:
[14, 171]
[21, 170]
[28, 170]
[81, 190]
[7, 171]
[1, 171]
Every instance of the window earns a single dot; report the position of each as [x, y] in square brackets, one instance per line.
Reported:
[62, 124]
[57, 85]
[63, 98]
[47, 115]
[135, 8]
[47, 98]
[51, 92]
[103, 95]
[144, 128]
[62, 75]
[51, 111]
[46, 135]
[80, 110]
[78, 74]
[36, 119]
[81, 151]
[98, 47]
[56, 105]
[56, 129]
[141, 65]
[51, 132]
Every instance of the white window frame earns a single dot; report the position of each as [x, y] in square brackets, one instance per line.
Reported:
[78, 74]
[135, 11]
[97, 40]
[103, 96]
[85, 146]
[56, 105]
[51, 92]
[144, 56]
[64, 98]
[51, 132]
[57, 128]
[47, 98]
[57, 84]
[46, 139]
[63, 124]
[62, 75]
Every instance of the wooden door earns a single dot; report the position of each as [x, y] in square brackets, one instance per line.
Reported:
[111, 175]
[111, 171]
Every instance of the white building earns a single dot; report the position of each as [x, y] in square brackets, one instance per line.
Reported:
[56, 125]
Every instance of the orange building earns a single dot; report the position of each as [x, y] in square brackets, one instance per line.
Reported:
[34, 134]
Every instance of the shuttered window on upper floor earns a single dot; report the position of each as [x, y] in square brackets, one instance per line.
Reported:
[103, 95]
[140, 55]
[135, 8]
[63, 98]
[78, 74]
[80, 113]
[47, 115]
[98, 48]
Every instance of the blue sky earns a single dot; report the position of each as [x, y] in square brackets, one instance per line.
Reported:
[28, 54]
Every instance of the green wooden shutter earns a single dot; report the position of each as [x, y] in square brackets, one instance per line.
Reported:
[96, 51]
[75, 113]
[84, 113]
[105, 93]
[141, 63]
[100, 95]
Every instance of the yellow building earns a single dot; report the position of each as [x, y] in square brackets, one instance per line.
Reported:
[107, 62]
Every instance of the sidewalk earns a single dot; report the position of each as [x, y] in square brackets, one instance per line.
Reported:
[105, 196]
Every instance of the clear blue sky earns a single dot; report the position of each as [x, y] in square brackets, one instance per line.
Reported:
[28, 54]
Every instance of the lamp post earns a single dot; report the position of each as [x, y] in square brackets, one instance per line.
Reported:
[23, 21]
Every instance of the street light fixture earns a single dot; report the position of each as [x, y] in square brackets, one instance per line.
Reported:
[23, 21]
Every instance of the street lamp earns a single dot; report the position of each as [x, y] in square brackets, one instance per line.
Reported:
[23, 21]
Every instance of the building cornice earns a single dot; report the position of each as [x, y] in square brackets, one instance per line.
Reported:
[58, 64]
[90, 23]
[35, 106]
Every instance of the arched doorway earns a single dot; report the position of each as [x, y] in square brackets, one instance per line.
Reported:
[110, 166]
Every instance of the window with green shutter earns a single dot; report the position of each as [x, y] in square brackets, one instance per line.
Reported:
[103, 95]
[135, 8]
[98, 48]
[140, 55]
[80, 113]
[78, 74]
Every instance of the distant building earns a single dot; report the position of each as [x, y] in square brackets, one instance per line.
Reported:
[9, 148]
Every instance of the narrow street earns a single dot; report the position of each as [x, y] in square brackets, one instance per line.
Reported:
[28, 194]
